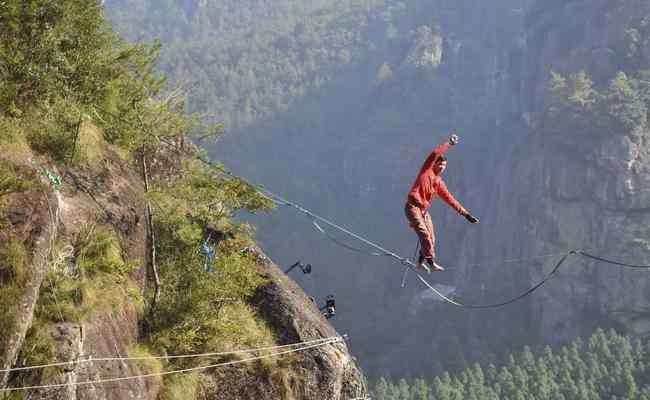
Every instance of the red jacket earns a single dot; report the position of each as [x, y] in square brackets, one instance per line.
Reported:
[428, 185]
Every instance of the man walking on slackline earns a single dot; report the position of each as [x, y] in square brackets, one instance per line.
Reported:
[427, 186]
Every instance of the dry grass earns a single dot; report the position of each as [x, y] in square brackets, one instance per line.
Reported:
[91, 145]
[182, 387]
[150, 366]
[13, 145]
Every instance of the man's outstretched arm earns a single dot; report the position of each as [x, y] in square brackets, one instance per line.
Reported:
[438, 151]
[443, 192]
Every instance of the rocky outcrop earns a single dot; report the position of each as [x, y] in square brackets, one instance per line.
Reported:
[328, 372]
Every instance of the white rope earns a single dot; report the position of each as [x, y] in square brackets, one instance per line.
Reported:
[89, 360]
[180, 371]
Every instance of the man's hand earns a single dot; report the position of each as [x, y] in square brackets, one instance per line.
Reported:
[453, 139]
[472, 219]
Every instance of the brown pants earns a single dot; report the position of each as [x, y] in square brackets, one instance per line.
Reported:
[420, 221]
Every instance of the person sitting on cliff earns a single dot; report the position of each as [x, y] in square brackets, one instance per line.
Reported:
[427, 186]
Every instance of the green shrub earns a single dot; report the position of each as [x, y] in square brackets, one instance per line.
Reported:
[52, 129]
[575, 106]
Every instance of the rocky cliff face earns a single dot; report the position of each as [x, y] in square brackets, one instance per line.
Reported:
[109, 196]
[575, 189]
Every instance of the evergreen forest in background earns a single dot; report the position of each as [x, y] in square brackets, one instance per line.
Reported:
[606, 366]
[245, 61]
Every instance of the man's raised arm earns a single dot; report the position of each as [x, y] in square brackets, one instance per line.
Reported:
[438, 151]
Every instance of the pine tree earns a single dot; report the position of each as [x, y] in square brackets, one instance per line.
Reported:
[381, 390]
[624, 106]
[582, 95]
[420, 390]
[403, 390]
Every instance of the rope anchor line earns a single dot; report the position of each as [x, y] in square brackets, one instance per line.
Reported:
[168, 357]
[324, 342]
[409, 264]
[279, 200]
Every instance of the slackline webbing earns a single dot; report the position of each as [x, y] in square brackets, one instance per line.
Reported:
[409, 263]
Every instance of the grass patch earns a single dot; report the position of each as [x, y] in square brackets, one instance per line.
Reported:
[14, 180]
[13, 264]
[39, 347]
[147, 366]
[182, 386]
[14, 146]
[91, 143]
[95, 277]
[14, 274]
[99, 252]
[206, 312]
[52, 129]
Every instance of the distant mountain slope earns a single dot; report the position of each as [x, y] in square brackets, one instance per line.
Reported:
[248, 60]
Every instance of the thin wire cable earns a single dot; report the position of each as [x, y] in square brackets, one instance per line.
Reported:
[407, 268]
[620, 264]
[411, 264]
[505, 302]
[347, 246]
[514, 260]
[408, 262]
[173, 357]
[158, 374]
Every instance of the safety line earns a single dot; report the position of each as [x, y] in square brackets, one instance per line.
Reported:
[173, 357]
[347, 246]
[410, 264]
[165, 373]
[514, 260]
[506, 302]
[620, 264]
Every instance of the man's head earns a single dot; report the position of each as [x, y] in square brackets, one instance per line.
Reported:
[440, 165]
